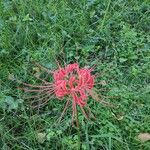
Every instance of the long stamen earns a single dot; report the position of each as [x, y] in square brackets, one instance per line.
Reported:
[50, 94]
[28, 90]
[73, 111]
[42, 67]
[76, 113]
[35, 96]
[95, 97]
[37, 86]
[84, 113]
[43, 80]
[90, 112]
[58, 63]
[62, 114]
[43, 103]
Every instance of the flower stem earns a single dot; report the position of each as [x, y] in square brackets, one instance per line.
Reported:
[79, 139]
[78, 131]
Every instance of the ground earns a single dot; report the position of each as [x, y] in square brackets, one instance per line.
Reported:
[111, 35]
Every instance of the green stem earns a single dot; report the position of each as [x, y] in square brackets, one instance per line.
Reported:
[103, 21]
[78, 131]
[79, 139]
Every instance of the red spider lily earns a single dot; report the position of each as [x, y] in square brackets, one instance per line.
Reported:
[72, 82]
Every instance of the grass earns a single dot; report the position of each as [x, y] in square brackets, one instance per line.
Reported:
[112, 34]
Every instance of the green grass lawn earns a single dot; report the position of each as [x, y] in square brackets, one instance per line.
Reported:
[113, 34]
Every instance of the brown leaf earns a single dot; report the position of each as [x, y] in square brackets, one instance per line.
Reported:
[41, 137]
[118, 116]
[36, 69]
[143, 137]
[11, 77]
[103, 82]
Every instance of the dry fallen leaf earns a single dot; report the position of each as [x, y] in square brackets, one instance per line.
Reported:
[118, 116]
[11, 77]
[41, 137]
[143, 137]
[36, 69]
[103, 82]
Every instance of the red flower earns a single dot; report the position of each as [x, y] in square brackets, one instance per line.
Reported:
[71, 81]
